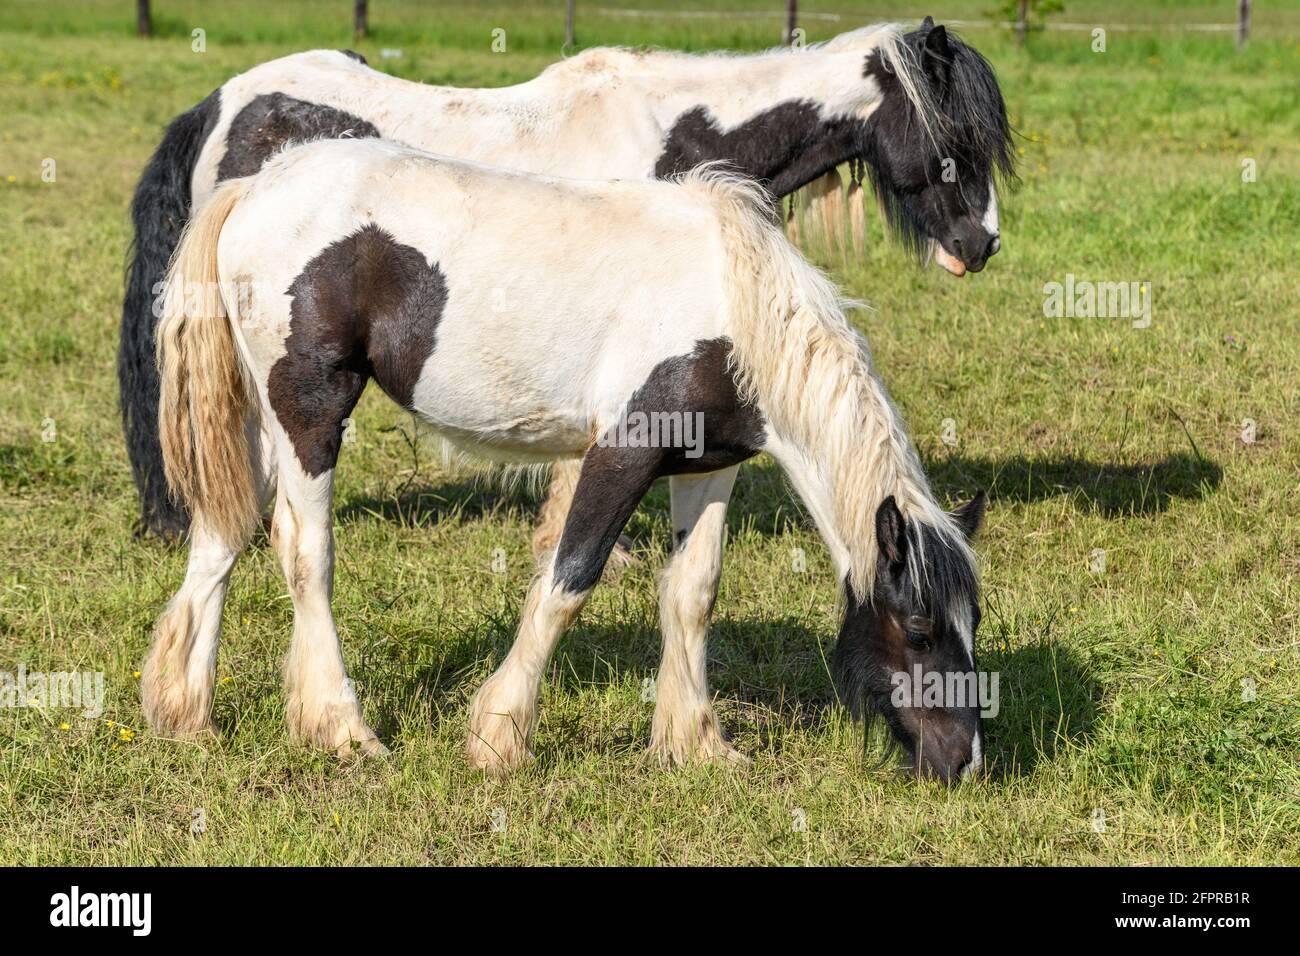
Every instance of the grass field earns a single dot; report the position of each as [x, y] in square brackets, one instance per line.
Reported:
[1149, 710]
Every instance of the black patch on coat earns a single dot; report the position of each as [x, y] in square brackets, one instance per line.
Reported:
[354, 55]
[614, 478]
[783, 148]
[269, 121]
[789, 145]
[365, 306]
[702, 382]
[158, 214]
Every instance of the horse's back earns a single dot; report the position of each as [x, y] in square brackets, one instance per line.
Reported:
[512, 312]
[325, 94]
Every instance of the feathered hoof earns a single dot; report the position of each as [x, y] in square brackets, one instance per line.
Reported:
[338, 727]
[175, 709]
[693, 742]
[370, 748]
[498, 757]
[500, 724]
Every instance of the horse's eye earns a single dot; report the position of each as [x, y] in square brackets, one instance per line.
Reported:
[918, 640]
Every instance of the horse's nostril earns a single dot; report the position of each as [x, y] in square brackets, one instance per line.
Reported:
[994, 245]
[956, 244]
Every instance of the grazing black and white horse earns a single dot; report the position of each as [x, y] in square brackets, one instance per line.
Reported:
[532, 319]
[920, 108]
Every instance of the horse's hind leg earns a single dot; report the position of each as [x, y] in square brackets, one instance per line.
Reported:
[177, 677]
[550, 519]
[321, 706]
[685, 728]
[503, 714]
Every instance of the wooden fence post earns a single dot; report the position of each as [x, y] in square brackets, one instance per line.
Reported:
[361, 19]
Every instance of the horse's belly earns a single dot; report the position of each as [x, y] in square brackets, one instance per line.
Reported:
[499, 414]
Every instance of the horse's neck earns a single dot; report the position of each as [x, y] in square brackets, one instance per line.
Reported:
[781, 118]
[831, 423]
[842, 494]
[736, 88]
[816, 490]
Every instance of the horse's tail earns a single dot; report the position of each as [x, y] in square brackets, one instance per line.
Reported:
[205, 398]
[158, 213]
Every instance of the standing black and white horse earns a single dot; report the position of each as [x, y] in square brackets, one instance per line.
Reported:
[922, 109]
[532, 319]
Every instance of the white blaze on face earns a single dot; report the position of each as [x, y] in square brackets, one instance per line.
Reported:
[964, 623]
[963, 620]
[989, 222]
[990, 218]
[976, 757]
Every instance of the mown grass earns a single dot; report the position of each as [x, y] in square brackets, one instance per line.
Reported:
[1121, 691]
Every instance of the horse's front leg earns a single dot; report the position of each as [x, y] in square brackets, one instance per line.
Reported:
[685, 729]
[503, 714]
[555, 510]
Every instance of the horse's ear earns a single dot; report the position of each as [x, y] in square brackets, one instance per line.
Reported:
[936, 42]
[971, 515]
[891, 531]
[936, 55]
[927, 24]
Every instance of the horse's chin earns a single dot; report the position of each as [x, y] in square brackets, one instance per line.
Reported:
[949, 262]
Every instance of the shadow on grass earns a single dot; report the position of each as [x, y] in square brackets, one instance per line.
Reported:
[1112, 490]
[457, 500]
[1047, 702]
[769, 678]
[764, 500]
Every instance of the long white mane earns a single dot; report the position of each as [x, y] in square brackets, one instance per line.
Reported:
[797, 354]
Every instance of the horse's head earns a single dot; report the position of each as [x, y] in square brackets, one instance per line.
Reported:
[907, 655]
[937, 144]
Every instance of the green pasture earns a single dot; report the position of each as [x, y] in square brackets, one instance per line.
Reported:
[1149, 706]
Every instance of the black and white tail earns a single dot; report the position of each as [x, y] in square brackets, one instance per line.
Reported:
[159, 212]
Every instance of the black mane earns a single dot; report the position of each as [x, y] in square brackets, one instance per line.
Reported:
[973, 115]
[968, 120]
[861, 684]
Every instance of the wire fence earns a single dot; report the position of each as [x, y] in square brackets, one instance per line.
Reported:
[853, 18]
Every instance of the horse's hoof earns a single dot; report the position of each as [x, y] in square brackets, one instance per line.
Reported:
[622, 556]
[729, 756]
[692, 737]
[497, 759]
[362, 749]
